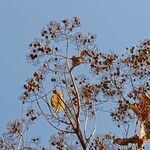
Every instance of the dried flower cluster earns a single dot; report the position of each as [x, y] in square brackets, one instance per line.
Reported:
[105, 142]
[139, 59]
[32, 114]
[15, 128]
[85, 41]
[72, 24]
[89, 92]
[39, 49]
[59, 142]
[6, 144]
[32, 86]
[100, 62]
[121, 115]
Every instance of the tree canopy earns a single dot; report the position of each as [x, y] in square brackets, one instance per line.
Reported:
[74, 82]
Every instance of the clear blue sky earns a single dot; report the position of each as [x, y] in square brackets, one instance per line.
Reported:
[117, 23]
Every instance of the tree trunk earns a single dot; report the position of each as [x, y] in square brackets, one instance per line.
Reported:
[83, 142]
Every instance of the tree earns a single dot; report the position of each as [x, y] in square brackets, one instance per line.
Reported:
[73, 81]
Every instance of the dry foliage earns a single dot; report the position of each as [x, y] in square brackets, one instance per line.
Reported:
[73, 82]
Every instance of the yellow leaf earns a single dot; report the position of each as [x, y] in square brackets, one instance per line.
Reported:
[57, 101]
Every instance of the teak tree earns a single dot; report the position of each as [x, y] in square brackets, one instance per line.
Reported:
[73, 81]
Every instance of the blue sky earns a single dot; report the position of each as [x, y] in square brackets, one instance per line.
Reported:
[117, 23]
